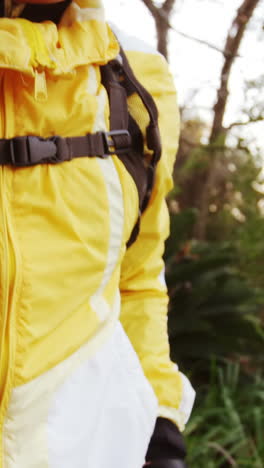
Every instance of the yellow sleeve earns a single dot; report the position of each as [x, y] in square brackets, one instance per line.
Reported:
[143, 290]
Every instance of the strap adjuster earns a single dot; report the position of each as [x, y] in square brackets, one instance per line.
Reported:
[116, 142]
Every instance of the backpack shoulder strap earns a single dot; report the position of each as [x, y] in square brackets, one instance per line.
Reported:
[120, 82]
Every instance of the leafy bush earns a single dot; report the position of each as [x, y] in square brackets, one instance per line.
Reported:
[214, 311]
[227, 425]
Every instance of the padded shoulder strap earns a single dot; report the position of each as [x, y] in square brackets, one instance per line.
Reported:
[120, 82]
[152, 131]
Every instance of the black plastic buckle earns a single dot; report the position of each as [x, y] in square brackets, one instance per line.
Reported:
[63, 152]
[30, 150]
[111, 146]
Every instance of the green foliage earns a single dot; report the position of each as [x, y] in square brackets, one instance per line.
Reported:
[233, 210]
[213, 309]
[227, 425]
[197, 161]
[249, 241]
[216, 289]
[248, 236]
[181, 225]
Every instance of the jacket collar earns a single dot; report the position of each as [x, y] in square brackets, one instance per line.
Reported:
[58, 50]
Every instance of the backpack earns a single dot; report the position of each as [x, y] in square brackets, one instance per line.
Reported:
[124, 139]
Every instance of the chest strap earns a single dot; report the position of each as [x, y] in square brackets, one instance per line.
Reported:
[31, 150]
[124, 139]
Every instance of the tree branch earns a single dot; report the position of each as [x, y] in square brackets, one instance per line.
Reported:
[149, 4]
[221, 450]
[196, 39]
[161, 17]
[218, 133]
[163, 13]
[233, 41]
[249, 121]
[164, 17]
[168, 6]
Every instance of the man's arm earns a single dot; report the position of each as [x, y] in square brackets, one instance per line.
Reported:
[143, 290]
[144, 311]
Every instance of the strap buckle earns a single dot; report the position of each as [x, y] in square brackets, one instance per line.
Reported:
[63, 150]
[116, 142]
[30, 150]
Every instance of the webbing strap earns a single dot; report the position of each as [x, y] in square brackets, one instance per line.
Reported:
[31, 150]
[120, 82]
[117, 101]
[152, 131]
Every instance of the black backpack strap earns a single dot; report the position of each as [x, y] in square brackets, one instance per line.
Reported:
[152, 131]
[118, 104]
[120, 82]
[31, 150]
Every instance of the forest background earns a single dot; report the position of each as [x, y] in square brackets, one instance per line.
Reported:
[215, 254]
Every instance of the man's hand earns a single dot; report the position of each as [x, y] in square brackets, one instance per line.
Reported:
[166, 448]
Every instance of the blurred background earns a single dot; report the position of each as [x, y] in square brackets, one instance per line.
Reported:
[215, 254]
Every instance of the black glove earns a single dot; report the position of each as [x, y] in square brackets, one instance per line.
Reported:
[167, 463]
[166, 448]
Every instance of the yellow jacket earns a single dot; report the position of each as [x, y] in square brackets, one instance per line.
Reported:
[64, 228]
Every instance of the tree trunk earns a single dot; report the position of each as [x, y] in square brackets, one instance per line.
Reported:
[233, 41]
[161, 16]
[162, 29]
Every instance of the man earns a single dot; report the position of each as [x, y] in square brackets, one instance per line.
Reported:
[73, 392]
